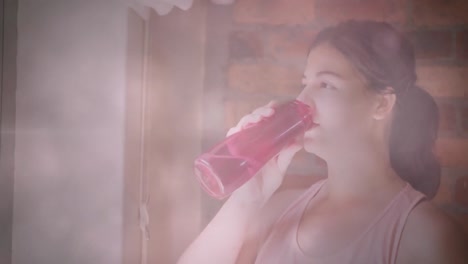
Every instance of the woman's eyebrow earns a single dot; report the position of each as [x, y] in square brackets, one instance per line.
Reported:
[334, 74]
[326, 72]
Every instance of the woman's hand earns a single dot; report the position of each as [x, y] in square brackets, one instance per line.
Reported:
[261, 187]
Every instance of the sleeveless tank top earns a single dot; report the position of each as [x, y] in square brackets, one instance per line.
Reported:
[378, 244]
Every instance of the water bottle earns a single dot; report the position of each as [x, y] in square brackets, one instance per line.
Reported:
[235, 160]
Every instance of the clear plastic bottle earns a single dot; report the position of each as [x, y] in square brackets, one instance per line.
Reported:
[236, 159]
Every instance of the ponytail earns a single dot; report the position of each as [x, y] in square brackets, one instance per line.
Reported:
[412, 139]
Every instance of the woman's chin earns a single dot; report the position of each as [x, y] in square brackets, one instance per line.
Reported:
[309, 146]
[312, 134]
[313, 146]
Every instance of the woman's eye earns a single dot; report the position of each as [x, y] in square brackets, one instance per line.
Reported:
[326, 85]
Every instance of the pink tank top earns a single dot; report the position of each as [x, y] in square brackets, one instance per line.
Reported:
[378, 244]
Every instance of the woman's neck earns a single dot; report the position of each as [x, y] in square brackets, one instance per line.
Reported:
[361, 174]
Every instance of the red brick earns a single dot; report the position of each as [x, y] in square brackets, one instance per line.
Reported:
[265, 78]
[289, 45]
[444, 81]
[461, 191]
[245, 45]
[444, 194]
[452, 152]
[461, 220]
[277, 12]
[465, 119]
[462, 45]
[332, 11]
[432, 44]
[440, 12]
[447, 117]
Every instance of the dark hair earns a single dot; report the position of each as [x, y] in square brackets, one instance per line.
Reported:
[386, 59]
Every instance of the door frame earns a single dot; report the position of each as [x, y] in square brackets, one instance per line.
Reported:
[134, 243]
[8, 47]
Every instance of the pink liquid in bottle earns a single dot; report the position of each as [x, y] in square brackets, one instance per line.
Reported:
[236, 159]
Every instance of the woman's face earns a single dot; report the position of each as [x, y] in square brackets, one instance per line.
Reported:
[342, 101]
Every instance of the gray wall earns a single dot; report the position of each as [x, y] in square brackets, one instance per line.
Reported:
[69, 134]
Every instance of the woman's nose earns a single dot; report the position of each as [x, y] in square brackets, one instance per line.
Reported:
[306, 97]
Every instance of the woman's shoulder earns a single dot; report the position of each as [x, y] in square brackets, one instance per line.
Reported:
[430, 236]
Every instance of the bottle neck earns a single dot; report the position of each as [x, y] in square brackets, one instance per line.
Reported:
[306, 112]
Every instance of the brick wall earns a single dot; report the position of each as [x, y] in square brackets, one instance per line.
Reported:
[257, 51]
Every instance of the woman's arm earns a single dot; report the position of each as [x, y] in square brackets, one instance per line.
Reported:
[223, 237]
[222, 240]
[234, 238]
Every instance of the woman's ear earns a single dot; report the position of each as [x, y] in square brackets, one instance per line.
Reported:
[384, 103]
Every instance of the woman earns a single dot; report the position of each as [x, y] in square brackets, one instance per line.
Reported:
[376, 131]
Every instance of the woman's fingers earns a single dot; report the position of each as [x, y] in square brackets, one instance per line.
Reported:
[264, 111]
[232, 130]
[244, 123]
[249, 119]
[272, 103]
[256, 116]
